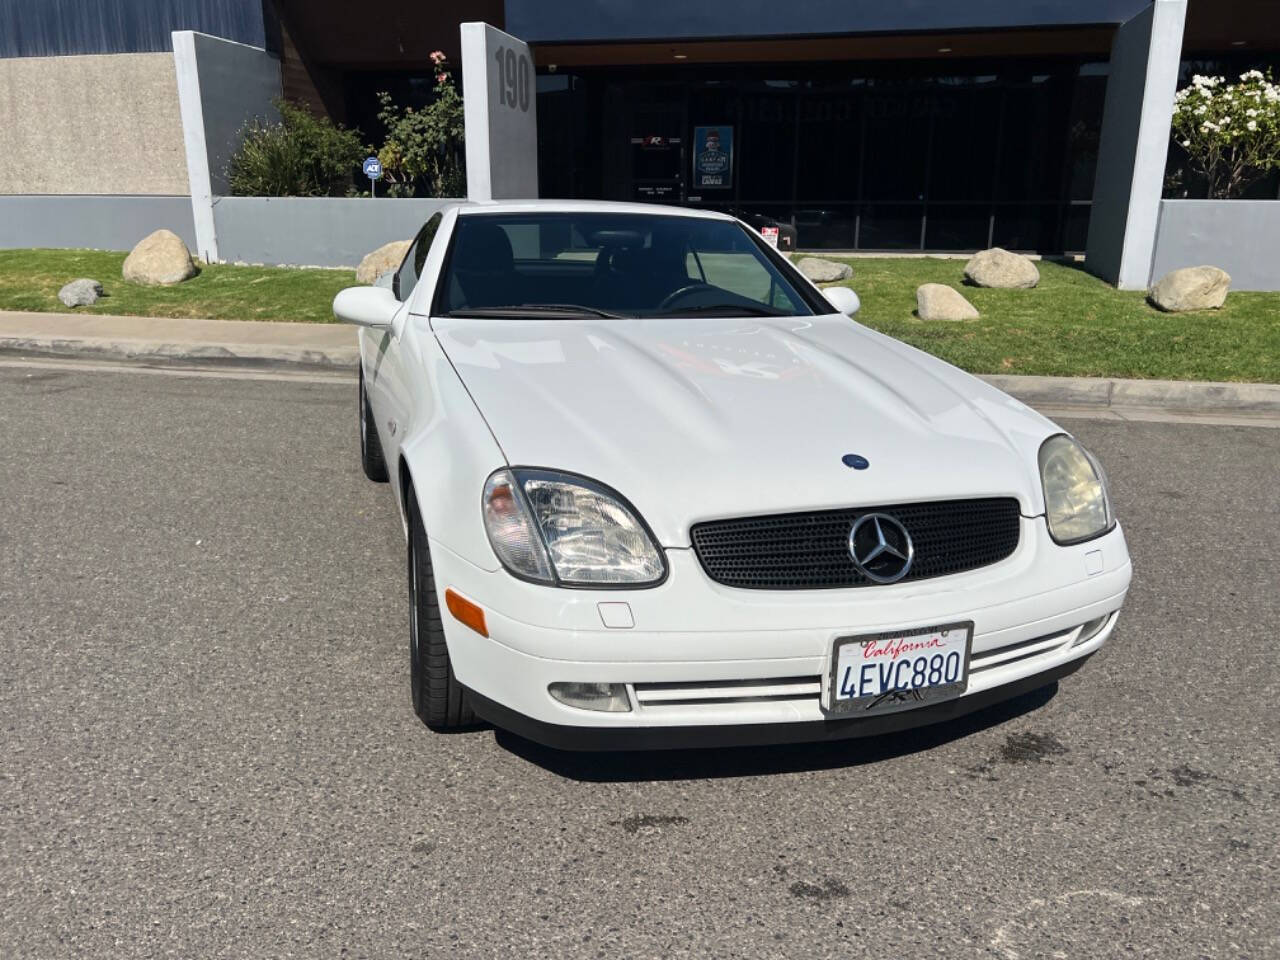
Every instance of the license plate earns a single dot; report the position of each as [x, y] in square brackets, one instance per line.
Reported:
[888, 672]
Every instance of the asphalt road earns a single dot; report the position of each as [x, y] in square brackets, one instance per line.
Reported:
[209, 749]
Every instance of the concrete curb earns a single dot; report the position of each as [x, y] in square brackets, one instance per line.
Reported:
[155, 351]
[1190, 396]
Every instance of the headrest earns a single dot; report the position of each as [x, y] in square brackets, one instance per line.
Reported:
[483, 247]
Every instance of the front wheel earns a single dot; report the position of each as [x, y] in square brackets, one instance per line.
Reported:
[371, 459]
[438, 698]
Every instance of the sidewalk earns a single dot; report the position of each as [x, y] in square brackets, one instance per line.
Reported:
[159, 339]
[316, 347]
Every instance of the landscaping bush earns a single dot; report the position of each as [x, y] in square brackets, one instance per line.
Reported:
[423, 154]
[1230, 131]
[302, 155]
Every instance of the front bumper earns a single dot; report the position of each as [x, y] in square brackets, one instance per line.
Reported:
[707, 664]
[565, 737]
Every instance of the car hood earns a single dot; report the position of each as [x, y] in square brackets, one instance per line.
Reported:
[700, 419]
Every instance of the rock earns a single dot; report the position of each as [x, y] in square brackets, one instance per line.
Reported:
[386, 257]
[824, 271]
[937, 301]
[80, 293]
[1190, 288]
[159, 259]
[1002, 269]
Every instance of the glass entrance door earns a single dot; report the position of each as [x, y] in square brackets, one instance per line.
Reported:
[657, 147]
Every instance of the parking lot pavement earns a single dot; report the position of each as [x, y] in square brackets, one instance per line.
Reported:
[209, 749]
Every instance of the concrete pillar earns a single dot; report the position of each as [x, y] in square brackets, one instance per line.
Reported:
[222, 85]
[500, 110]
[1134, 144]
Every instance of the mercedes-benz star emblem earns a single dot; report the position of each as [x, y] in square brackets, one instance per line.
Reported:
[881, 548]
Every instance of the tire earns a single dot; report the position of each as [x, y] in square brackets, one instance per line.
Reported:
[375, 467]
[438, 698]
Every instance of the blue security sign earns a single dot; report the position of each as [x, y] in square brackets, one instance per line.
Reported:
[373, 168]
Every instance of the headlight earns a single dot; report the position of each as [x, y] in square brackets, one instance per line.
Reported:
[1077, 505]
[560, 528]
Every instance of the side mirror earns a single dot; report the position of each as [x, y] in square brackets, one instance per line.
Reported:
[842, 298]
[372, 307]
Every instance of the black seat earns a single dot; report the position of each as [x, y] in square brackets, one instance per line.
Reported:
[484, 267]
[639, 278]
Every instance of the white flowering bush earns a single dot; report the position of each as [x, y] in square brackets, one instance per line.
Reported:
[1230, 131]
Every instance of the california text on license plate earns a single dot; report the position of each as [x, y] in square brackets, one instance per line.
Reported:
[888, 672]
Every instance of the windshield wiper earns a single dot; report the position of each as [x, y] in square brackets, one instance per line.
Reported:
[534, 310]
[729, 309]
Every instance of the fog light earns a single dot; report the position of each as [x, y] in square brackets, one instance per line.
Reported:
[1091, 629]
[611, 697]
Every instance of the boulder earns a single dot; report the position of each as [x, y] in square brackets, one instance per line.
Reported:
[80, 293]
[1190, 288]
[159, 259]
[386, 257]
[824, 271]
[1002, 269]
[937, 301]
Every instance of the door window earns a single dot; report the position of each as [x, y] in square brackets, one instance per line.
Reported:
[410, 271]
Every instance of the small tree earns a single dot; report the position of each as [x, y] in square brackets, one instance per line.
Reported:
[424, 148]
[1230, 131]
[301, 156]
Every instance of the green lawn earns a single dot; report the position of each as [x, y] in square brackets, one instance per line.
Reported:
[1073, 324]
[31, 279]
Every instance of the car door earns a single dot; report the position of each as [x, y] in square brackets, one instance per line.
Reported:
[385, 366]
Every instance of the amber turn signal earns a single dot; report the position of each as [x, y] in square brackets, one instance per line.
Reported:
[464, 611]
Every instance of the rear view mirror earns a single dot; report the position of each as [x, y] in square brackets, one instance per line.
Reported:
[843, 299]
[372, 307]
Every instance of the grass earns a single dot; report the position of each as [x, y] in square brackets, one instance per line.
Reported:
[1072, 324]
[31, 279]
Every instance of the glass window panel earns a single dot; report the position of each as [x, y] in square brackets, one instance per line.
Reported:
[829, 227]
[1075, 230]
[957, 227]
[1084, 126]
[965, 132]
[767, 146]
[1033, 142]
[1027, 226]
[830, 137]
[890, 226]
[895, 155]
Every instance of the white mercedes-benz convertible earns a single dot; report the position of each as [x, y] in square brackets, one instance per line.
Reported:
[660, 490]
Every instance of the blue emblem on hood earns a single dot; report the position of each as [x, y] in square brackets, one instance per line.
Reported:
[855, 461]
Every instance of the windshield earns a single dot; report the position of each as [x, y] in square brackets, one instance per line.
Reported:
[612, 265]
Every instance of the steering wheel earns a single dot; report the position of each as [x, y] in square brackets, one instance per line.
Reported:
[682, 292]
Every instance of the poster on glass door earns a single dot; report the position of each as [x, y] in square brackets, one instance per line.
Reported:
[713, 157]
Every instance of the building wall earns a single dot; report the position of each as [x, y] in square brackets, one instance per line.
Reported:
[49, 28]
[1240, 236]
[314, 231]
[96, 223]
[101, 124]
[238, 84]
[570, 21]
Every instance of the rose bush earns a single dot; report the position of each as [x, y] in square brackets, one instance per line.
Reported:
[423, 153]
[1230, 131]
